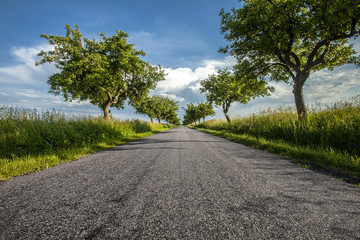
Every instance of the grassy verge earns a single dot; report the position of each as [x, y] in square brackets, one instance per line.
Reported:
[32, 141]
[327, 140]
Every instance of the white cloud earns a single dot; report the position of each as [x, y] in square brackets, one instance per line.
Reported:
[181, 77]
[28, 56]
[172, 96]
[30, 93]
[227, 62]
[281, 90]
[25, 72]
[16, 74]
[330, 85]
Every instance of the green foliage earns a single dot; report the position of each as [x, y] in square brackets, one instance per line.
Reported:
[334, 130]
[284, 39]
[159, 107]
[106, 72]
[225, 88]
[194, 113]
[43, 139]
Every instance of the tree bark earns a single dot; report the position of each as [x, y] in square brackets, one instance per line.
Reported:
[106, 112]
[226, 106]
[107, 105]
[299, 82]
[227, 117]
[152, 120]
[159, 120]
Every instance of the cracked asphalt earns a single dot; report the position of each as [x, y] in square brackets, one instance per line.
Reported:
[179, 184]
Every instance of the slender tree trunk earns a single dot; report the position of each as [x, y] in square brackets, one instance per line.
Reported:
[226, 107]
[227, 117]
[204, 119]
[106, 112]
[152, 120]
[299, 94]
[159, 120]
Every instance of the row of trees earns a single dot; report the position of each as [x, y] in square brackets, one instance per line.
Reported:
[161, 108]
[281, 41]
[194, 113]
[271, 40]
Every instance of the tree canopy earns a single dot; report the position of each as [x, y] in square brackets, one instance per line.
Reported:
[159, 107]
[194, 113]
[106, 72]
[291, 39]
[224, 88]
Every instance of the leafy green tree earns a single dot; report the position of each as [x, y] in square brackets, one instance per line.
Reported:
[105, 72]
[292, 38]
[168, 109]
[148, 107]
[192, 114]
[162, 108]
[205, 109]
[224, 88]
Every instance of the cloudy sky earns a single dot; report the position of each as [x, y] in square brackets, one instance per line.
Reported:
[182, 36]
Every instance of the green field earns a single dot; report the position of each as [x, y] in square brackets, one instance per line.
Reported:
[32, 141]
[328, 137]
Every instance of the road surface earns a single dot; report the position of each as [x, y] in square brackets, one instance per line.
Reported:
[179, 184]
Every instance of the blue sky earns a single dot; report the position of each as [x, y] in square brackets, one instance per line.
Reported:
[183, 36]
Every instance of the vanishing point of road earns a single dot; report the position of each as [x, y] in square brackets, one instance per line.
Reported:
[179, 184]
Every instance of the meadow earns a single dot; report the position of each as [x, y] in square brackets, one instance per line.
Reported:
[329, 137]
[32, 140]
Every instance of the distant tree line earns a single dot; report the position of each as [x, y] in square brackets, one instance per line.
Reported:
[161, 108]
[194, 113]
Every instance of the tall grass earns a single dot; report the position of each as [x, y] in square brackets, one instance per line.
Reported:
[334, 128]
[25, 134]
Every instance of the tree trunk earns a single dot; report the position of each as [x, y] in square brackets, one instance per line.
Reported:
[152, 120]
[227, 117]
[299, 95]
[226, 106]
[159, 120]
[106, 112]
[204, 119]
[107, 105]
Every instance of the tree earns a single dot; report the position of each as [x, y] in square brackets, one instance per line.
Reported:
[159, 107]
[105, 72]
[148, 107]
[191, 114]
[168, 109]
[205, 109]
[292, 38]
[194, 113]
[226, 88]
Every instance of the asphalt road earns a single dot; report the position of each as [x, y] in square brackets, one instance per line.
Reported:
[179, 184]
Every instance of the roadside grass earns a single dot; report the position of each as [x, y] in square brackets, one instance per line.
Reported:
[32, 141]
[327, 140]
